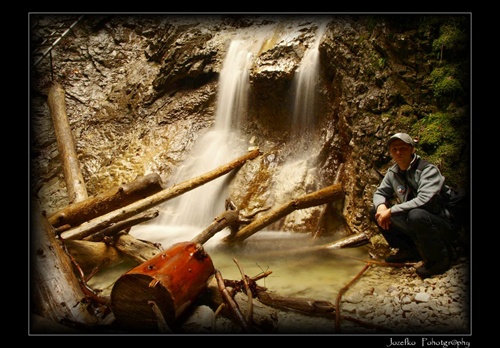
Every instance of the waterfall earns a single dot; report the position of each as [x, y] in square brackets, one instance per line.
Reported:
[216, 147]
[298, 174]
[305, 90]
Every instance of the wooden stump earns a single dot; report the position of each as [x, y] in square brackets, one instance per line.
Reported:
[159, 290]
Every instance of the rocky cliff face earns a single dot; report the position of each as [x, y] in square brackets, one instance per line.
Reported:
[142, 89]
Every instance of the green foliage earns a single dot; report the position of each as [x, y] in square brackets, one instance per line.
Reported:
[443, 140]
[451, 39]
[381, 62]
[444, 83]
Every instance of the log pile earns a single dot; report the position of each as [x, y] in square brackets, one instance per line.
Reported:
[92, 233]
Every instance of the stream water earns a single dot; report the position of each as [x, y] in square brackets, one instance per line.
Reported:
[295, 270]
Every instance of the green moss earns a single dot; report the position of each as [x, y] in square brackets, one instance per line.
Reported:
[451, 39]
[443, 140]
[445, 85]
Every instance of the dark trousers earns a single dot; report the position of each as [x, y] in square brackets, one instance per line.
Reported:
[418, 230]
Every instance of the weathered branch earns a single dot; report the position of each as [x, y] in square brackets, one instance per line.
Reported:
[233, 306]
[123, 195]
[72, 174]
[55, 291]
[122, 225]
[319, 197]
[225, 219]
[106, 220]
[138, 250]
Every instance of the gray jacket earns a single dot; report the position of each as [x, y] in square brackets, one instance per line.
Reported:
[415, 188]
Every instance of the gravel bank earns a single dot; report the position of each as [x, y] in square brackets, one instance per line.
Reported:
[384, 300]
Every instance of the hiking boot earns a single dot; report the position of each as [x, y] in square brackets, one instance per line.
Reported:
[403, 256]
[431, 268]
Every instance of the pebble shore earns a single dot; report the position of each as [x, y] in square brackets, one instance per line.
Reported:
[384, 300]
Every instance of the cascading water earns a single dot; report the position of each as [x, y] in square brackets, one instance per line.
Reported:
[216, 147]
[300, 170]
[305, 86]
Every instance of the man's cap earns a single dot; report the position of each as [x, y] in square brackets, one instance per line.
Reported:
[401, 136]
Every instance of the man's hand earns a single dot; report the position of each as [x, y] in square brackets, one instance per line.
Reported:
[383, 216]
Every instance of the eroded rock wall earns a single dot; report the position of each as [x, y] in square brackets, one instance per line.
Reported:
[141, 89]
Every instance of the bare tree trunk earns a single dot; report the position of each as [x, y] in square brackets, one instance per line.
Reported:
[77, 213]
[72, 174]
[105, 221]
[319, 197]
[55, 291]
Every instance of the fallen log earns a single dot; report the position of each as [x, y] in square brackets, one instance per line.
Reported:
[90, 208]
[91, 256]
[106, 220]
[72, 174]
[156, 293]
[138, 250]
[56, 293]
[319, 197]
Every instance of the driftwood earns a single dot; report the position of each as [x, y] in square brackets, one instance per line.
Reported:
[56, 293]
[230, 218]
[91, 256]
[122, 225]
[319, 197]
[231, 303]
[72, 174]
[352, 241]
[226, 219]
[304, 305]
[106, 220]
[92, 252]
[228, 297]
[88, 209]
[138, 250]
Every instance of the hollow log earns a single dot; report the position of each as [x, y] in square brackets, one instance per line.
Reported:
[90, 208]
[106, 220]
[171, 282]
[319, 197]
[67, 153]
[55, 291]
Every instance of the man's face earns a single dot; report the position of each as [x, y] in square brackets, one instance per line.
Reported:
[401, 153]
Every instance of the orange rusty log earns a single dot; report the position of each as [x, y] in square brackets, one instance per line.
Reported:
[171, 280]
